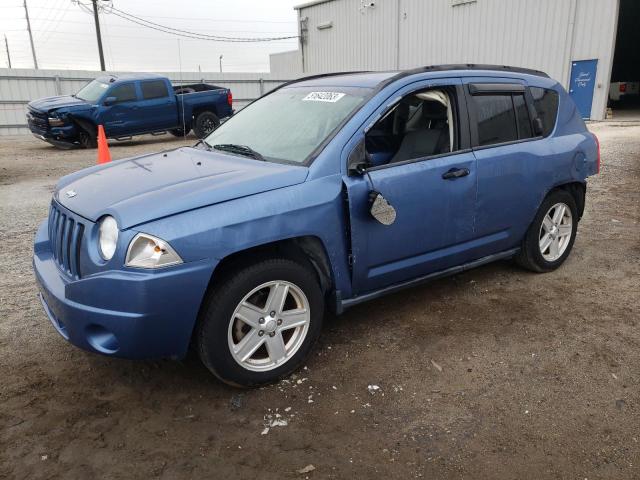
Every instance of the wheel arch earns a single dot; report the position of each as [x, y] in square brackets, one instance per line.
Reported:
[307, 249]
[578, 191]
[87, 125]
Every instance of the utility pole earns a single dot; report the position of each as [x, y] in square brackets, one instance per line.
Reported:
[97, 20]
[6, 44]
[33, 50]
[220, 63]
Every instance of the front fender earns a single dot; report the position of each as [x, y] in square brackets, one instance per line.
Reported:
[311, 209]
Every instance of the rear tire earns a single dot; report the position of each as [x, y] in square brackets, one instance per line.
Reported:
[205, 123]
[550, 237]
[246, 336]
[180, 132]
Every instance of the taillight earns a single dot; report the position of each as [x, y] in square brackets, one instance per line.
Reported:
[229, 98]
[598, 145]
[623, 87]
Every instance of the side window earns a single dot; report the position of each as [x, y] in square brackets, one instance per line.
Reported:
[523, 118]
[154, 89]
[421, 125]
[496, 119]
[546, 104]
[123, 93]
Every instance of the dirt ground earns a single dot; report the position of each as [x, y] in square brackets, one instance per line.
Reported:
[493, 374]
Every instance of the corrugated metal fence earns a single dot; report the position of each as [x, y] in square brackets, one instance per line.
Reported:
[19, 86]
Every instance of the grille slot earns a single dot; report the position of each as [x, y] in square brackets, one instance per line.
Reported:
[65, 236]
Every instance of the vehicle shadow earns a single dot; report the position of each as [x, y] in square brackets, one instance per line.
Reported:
[417, 314]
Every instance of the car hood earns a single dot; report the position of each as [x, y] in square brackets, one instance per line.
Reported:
[141, 189]
[49, 103]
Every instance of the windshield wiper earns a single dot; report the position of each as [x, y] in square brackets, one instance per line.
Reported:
[239, 149]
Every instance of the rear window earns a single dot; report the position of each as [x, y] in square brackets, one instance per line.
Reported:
[154, 89]
[496, 119]
[546, 104]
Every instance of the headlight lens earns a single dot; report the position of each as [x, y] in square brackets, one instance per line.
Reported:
[56, 122]
[108, 238]
[146, 251]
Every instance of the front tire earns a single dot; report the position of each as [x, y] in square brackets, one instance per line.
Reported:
[550, 237]
[205, 123]
[260, 322]
[86, 138]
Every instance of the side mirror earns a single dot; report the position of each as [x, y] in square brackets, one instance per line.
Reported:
[538, 127]
[109, 101]
[358, 160]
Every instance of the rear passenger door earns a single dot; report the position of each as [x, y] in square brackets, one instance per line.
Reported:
[511, 172]
[158, 105]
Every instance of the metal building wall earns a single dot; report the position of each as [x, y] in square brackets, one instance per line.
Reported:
[397, 34]
[286, 64]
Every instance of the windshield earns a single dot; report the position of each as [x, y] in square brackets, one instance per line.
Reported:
[289, 124]
[92, 91]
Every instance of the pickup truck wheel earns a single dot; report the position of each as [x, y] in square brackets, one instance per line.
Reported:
[86, 139]
[180, 132]
[205, 123]
[260, 323]
[550, 237]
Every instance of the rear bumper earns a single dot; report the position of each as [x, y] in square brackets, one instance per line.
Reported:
[122, 313]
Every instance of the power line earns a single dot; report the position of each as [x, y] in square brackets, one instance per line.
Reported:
[190, 34]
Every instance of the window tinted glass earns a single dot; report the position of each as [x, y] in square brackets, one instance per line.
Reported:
[546, 105]
[123, 93]
[496, 119]
[522, 115]
[154, 89]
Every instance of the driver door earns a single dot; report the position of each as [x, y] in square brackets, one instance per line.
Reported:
[433, 197]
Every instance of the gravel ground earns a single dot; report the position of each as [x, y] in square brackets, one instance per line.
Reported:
[495, 373]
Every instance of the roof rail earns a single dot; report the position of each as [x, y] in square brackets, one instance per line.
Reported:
[319, 75]
[477, 66]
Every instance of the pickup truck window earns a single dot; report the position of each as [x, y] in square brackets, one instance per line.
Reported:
[289, 124]
[154, 89]
[123, 93]
[92, 91]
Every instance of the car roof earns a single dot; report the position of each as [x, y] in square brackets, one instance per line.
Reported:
[379, 79]
[128, 76]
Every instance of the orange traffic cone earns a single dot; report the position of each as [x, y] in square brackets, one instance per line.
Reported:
[104, 156]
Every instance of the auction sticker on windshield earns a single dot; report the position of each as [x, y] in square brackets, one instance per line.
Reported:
[331, 97]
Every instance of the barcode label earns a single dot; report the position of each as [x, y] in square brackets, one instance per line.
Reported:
[331, 97]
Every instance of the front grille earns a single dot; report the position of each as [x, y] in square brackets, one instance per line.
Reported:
[65, 236]
[37, 119]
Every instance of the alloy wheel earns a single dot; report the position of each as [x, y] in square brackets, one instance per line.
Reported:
[555, 232]
[269, 325]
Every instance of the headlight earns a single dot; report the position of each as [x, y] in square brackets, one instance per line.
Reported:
[56, 122]
[108, 238]
[146, 251]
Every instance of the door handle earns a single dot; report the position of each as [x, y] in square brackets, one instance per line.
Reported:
[454, 173]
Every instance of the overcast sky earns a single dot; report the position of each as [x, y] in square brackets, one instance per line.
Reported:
[65, 38]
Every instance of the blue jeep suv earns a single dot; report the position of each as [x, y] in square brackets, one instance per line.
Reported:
[329, 191]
